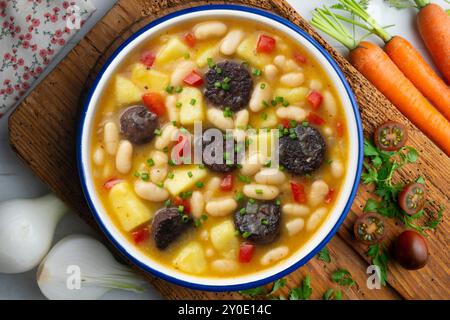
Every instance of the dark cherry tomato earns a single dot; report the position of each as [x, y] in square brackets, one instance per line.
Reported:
[140, 235]
[193, 79]
[314, 118]
[412, 198]
[391, 136]
[265, 44]
[246, 252]
[190, 39]
[227, 183]
[148, 58]
[155, 103]
[111, 183]
[299, 58]
[315, 99]
[411, 250]
[369, 228]
[298, 192]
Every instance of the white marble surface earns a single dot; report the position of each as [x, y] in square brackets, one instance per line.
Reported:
[17, 181]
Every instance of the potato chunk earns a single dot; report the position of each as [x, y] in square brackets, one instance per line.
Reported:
[224, 239]
[191, 259]
[127, 207]
[192, 106]
[126, 91]
[148, 79]
[292, 95]
[171, 51]
[184, 178]
[247, 51]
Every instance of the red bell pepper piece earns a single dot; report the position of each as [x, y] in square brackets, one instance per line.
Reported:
[155, 103]
[315, 119]
[246, 251]
[265, 44]
[298, 192]
[193, 79]
[148, 58]
[227, 183]
[315, 99]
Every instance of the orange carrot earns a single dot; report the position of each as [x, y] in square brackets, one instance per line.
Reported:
[416, 69]
[379, 69]
[434, 27]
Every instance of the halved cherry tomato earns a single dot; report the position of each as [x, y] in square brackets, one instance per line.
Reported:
[183, 202]
[340, 129]
[298, 192]
[315, 119]
[369, 228]
[412, 198]
[391, 136]
[193, 79]
[315, 99]
[301, 59]
[140, 235]
[227, 183]
[330, 196]
[111, 183]
[190, 39]
[246, 252]
[155, 103]
[265, 44]
[148, 58]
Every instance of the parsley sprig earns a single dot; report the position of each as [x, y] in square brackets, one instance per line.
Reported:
[380, 258]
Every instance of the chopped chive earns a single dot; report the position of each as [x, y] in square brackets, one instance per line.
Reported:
[180, 209]
[168, 203]
[293, 123]
[246, 234]
[278, 202]
[217, 85]
[145, 176]
[244, 179]
[199, 184]
[227, 113]
[137, 174]
[171, 163]
[187, 55]
[178, 89]
[257, 72]
[218, 70]
[268, 163]
[185, 195]
[150, 162]
[285, 103]
[252, 201]
[243, 211]
[305, 124]
[171, 175]
[178, 104]
[210, 62]
[157, 132]
[226, 80]
[190, 175]
[169, 89]
[193, 101]
[262, 86]
[166, 149]
[279, 99]
[201, 166]
[264, 222]
[259, 191]
[273, 103]
[226, 86]
[185, 218]
[264, 116]
[239, 196]
[160, 185]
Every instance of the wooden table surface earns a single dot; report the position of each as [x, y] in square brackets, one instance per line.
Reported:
[49, 116]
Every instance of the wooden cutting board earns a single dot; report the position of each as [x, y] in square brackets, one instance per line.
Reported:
[43, 128]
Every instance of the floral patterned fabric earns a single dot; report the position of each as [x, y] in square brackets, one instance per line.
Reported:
[31, 33]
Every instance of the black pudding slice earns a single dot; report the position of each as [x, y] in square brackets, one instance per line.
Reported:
[138, 124]
[259, 221]
[167, 227]
[303, 154]
[209, 146]
[228, 84]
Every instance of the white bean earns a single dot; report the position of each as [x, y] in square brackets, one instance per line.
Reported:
[159, 174]
[271, 72]
[262, 92]
[231, 42]
[270, 176]
[295, 226]
[168, 134]
[293, 79]
[124, 157]
[99, 156]
[274, 255]
[291, 113]
[295, 209]
[111, 138]
[315, 84]
[239, 135]
[180, 72]
[315, 219]
[209, 29]
[204, 235]
[261, 191]
[210, 252]
[251, 165]
[241, 119]
[150, 191]
[327, 131]
[329, 103]
[172, 111]
[318, 192]
[279, 61]
[159, 158]
[337, 168]
[197, 204]
[224, 265]
[217, 118]
[290, 65]
[221, 207]
[211, 187]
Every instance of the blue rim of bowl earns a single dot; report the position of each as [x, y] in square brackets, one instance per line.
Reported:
[301, 262]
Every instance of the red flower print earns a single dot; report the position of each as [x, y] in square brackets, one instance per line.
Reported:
[58, 33]
[2, 14]
[30, 29]
[17, 29]
[20, 62]
[54, 41]
[53, 18]
[28, 36]
[56, 9]
[38, 70]
[17, 87]
[5, 24]
[7, 56]
[26, 44]
[28, 18]
[9, 90]
[2, 4]
[61, 42]
[43, 53]
[14, 50]
[21, 93]
[35, 22]
[2, 91]
[34, 47]
[46, 61]
[25, 85]
[6, 82]
[21, 37]
[66, 30]
[26, 76]
[50, 51]
[13, 59]
[65, 4]
[47, 15]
